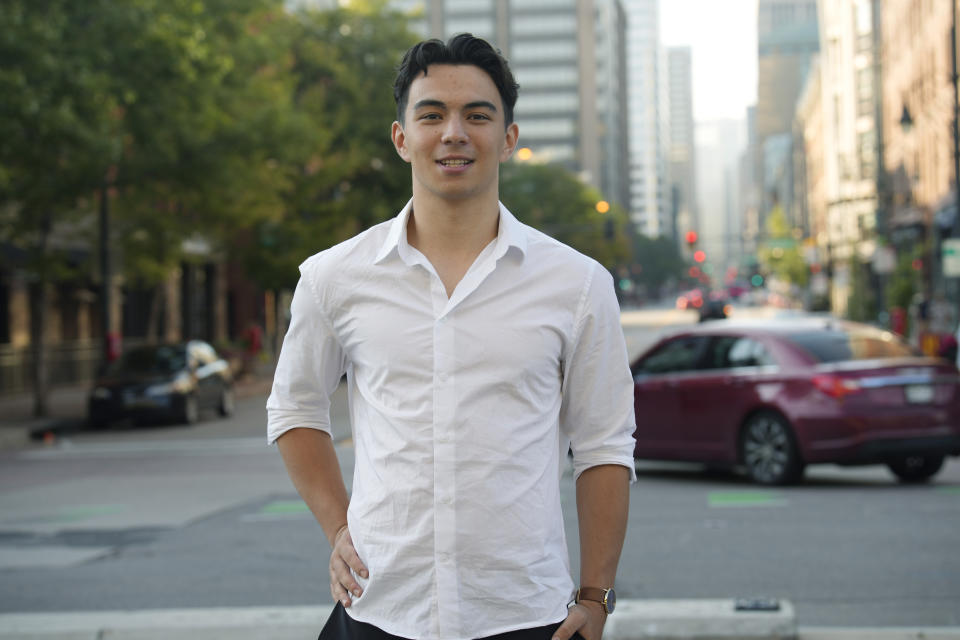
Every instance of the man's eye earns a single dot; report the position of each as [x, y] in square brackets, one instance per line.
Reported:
[430, 116]
[478, 116]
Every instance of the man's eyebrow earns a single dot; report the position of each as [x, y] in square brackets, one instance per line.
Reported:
[440, 104]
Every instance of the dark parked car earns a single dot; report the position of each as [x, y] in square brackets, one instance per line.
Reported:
[714, 309]
[163, 382]
[774, 396]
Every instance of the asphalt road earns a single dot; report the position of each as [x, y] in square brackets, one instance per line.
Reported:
[169, 517]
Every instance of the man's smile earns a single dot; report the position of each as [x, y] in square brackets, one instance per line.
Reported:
[455, 162]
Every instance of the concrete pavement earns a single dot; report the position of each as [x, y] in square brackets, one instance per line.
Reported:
[634, 620]
[67, 408]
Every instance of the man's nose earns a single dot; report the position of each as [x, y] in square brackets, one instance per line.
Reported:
[454, 132]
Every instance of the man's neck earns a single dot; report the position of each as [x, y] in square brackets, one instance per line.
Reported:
[452, 227]
[452, 234]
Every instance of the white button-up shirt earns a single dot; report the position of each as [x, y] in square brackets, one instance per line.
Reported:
[462, 411]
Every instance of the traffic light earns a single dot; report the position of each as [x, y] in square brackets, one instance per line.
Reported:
[691, 237]
[699, 255]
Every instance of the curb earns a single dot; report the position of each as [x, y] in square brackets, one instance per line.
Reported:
[634, 620]
[36, 430]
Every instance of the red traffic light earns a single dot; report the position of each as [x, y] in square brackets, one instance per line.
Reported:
[691, 237]
[699, 256]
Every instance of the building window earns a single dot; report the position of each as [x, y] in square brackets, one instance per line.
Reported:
[534, 25]
[551, 50]
[867, 151]
[547, 103]
[482, 27]
[467, 6]
[520, 5]
[531, 78]
[548, 128]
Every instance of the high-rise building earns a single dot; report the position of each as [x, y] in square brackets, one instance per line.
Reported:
[682, 144]
[787, 38]
[648, 121]
[568, 57]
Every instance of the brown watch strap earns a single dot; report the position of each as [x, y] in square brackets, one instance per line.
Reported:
[594, 594]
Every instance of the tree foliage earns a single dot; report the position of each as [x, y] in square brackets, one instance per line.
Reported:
[553, 200]
[344, 172]
[659, 261]
[779, 254]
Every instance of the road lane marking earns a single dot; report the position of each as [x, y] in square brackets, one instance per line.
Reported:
[746, 499]
[208, 446]
[279, 510]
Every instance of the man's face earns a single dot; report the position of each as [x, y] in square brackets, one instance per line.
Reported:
[454, 134]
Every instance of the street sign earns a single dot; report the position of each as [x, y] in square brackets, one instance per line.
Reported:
[951, 257]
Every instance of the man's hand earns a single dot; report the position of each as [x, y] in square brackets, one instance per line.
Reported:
[343, 558]
[585, 618]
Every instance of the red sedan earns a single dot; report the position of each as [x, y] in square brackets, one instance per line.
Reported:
[775, 396]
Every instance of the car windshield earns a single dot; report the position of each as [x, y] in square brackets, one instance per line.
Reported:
[164, 359]
[835, 345]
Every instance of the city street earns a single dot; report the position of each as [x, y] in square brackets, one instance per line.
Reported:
[176, 517]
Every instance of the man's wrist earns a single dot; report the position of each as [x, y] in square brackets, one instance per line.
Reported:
[605, 598]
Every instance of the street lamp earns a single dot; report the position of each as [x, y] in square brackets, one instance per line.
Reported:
[906, 120]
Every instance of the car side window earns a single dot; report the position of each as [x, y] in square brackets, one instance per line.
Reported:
[681, 354]
[731, 352]
[747, 352]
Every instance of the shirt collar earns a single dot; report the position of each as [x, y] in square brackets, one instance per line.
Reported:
[510, 233]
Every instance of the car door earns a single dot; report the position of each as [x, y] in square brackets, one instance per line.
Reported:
[658, 380]
[714, 402]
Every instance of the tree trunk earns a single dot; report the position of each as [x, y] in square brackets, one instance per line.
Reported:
[156, 306]
[38, 323]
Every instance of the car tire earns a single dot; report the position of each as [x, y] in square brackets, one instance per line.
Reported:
[227, 402]
[191, 410]
[914, 469]
[768, 450]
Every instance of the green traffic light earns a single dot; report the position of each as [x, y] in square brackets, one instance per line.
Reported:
[756, 280]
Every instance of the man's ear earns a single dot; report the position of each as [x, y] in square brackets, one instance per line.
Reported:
[399, 141]
[512, 136]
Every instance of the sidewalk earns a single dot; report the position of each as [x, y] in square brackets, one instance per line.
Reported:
[67, 408]
[633, 620]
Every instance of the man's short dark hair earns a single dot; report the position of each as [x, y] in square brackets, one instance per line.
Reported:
[461, 49]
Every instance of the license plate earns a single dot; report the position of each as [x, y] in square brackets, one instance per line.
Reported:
[919, 393]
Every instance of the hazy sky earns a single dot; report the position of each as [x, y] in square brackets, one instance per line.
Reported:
[723, 37]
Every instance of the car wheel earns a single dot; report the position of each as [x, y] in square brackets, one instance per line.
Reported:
[769, 450]
[191, 410]
[915, 468]
[226, 402]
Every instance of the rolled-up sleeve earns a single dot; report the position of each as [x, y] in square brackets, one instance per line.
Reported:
[309, 369]
[597, 414]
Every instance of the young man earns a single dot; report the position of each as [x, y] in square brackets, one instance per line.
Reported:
[477, 351]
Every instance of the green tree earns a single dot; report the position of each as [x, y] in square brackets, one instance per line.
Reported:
[553, 200]
[659, 261]
[343, 172]
[57, 131]
[159, 108]
[779, 254]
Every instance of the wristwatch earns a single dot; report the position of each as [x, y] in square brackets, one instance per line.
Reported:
[606, 597]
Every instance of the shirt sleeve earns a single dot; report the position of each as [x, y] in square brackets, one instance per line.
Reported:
[597, 414]
[309, 369]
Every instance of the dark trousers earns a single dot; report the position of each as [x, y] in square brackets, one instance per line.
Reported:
[340, 626]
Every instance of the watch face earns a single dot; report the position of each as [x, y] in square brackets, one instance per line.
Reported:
[610, 602]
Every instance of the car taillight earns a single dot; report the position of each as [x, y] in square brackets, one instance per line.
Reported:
[835, 386]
